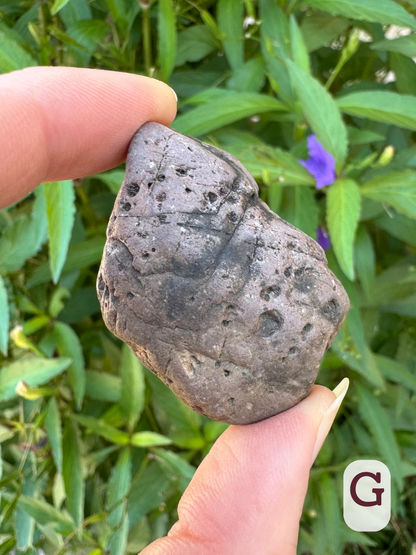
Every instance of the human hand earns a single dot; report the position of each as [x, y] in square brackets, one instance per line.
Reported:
[247, 495]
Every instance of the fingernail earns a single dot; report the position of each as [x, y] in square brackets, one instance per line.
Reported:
[176, 96]
[329, 416]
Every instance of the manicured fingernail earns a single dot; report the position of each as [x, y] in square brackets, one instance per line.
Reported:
[176, 96]
[329, 416]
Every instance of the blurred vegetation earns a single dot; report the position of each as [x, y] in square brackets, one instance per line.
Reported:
[96, 451]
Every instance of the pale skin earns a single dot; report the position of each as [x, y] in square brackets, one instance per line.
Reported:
[247, 495]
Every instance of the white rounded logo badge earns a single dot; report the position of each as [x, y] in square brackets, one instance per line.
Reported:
[367, 496]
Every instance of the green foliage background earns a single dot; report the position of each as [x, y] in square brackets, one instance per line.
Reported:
[96, 451]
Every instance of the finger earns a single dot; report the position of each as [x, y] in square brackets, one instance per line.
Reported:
[247, 495]
[62, 123]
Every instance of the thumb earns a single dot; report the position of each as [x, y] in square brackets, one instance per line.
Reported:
[247, 495]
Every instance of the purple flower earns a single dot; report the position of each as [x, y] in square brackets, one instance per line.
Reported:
[323, 239]
[320, 163]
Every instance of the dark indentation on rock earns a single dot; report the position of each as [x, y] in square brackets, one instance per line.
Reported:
[101, 283]
[288, 271]
[269, 292]
[181, 172]
[169, 381]
[192, 299]
[225, 323]
[212, 197]
[217, 364]
[133, 189]
[106, 294]
[331, 311]
[306, 330]
[227, 373]
[126, 206]
[150, 184]
[162, 218]
[305, 279]
[232, 199]
[153, 250]
[232, 216]
[270, 322]
[161, 197]
[145, 255]
[121, 267]
[161, 177]
[142, 234]
[223, 191]
[293, 350]
[189, 148]
[188, 190]
[231, 400]
[130, 296]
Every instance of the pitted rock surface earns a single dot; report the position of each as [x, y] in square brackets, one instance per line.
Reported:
[228, 304]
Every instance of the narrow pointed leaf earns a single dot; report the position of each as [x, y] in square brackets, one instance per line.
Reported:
[118, 488]
[54, 430]
[396, 189]
[167, 37]
[102, 429]
[132, 387]
[70, 346]
[4, 318]
[298, 47]
[343, 212]
[44, 513]
[60, 209]
[321, 112]
[149, 439]
[72, 472]
[230, 23]
[12, 55]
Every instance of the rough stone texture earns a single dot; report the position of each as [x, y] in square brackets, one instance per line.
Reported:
[228, 304]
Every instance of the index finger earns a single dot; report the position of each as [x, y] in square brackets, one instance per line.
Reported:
[63, 123]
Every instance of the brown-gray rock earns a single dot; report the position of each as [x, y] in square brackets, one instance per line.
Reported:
[228, 304]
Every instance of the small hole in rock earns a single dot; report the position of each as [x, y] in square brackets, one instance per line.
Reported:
[153, 250]
[293, 350]
[161, 177]
[145, 255]
[231, 400]
[288, 271]
[126, 207]
[225, 323]
[270, 322]
[212, 197]
[226, 373]
[130, 296]
[232, 216]
[189, 148]
[181, 172]
[150, 184]
[169, 380]
[101, 283]
[161, 197]
[217, 364]
[307, 328]
[223, 191]
[192, 299]
[133, 189]
[188, 190]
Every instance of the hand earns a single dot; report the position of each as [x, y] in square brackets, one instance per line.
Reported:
[247, 495]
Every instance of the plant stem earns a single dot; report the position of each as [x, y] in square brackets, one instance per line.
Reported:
[147, 43]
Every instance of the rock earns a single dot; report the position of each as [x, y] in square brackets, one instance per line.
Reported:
[229, 305]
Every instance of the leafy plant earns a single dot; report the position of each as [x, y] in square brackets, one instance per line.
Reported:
[96, 451]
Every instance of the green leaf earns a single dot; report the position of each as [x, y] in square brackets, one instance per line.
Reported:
[365, 261]
[298, 47]
[403, 45]
[321, 112]
[4, 318]
[24, 237]
[384, 106]
[300, 209]
[398, 226]
[343, 212]
[60, 209]
[70, 346]
[118, 542]
[175, 466]
[249, 77]
[396, 372]
[330, 513]
[24, 524]
[118, 488]
[233, 107]
[102, 386]
[32, 370]
[377, 421]
[79, 256]
[405, 72]
[376, 11]
[320, 28]
[101, 428]
[195, 43]
[396, 189]
[149, 439]
[132, 387]
[53, 427]
[113, 179]
[230, 23]
[148, 491]
[12, 55]
[44, 513]
[166, 37]
[72, 472]
[58, 5]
